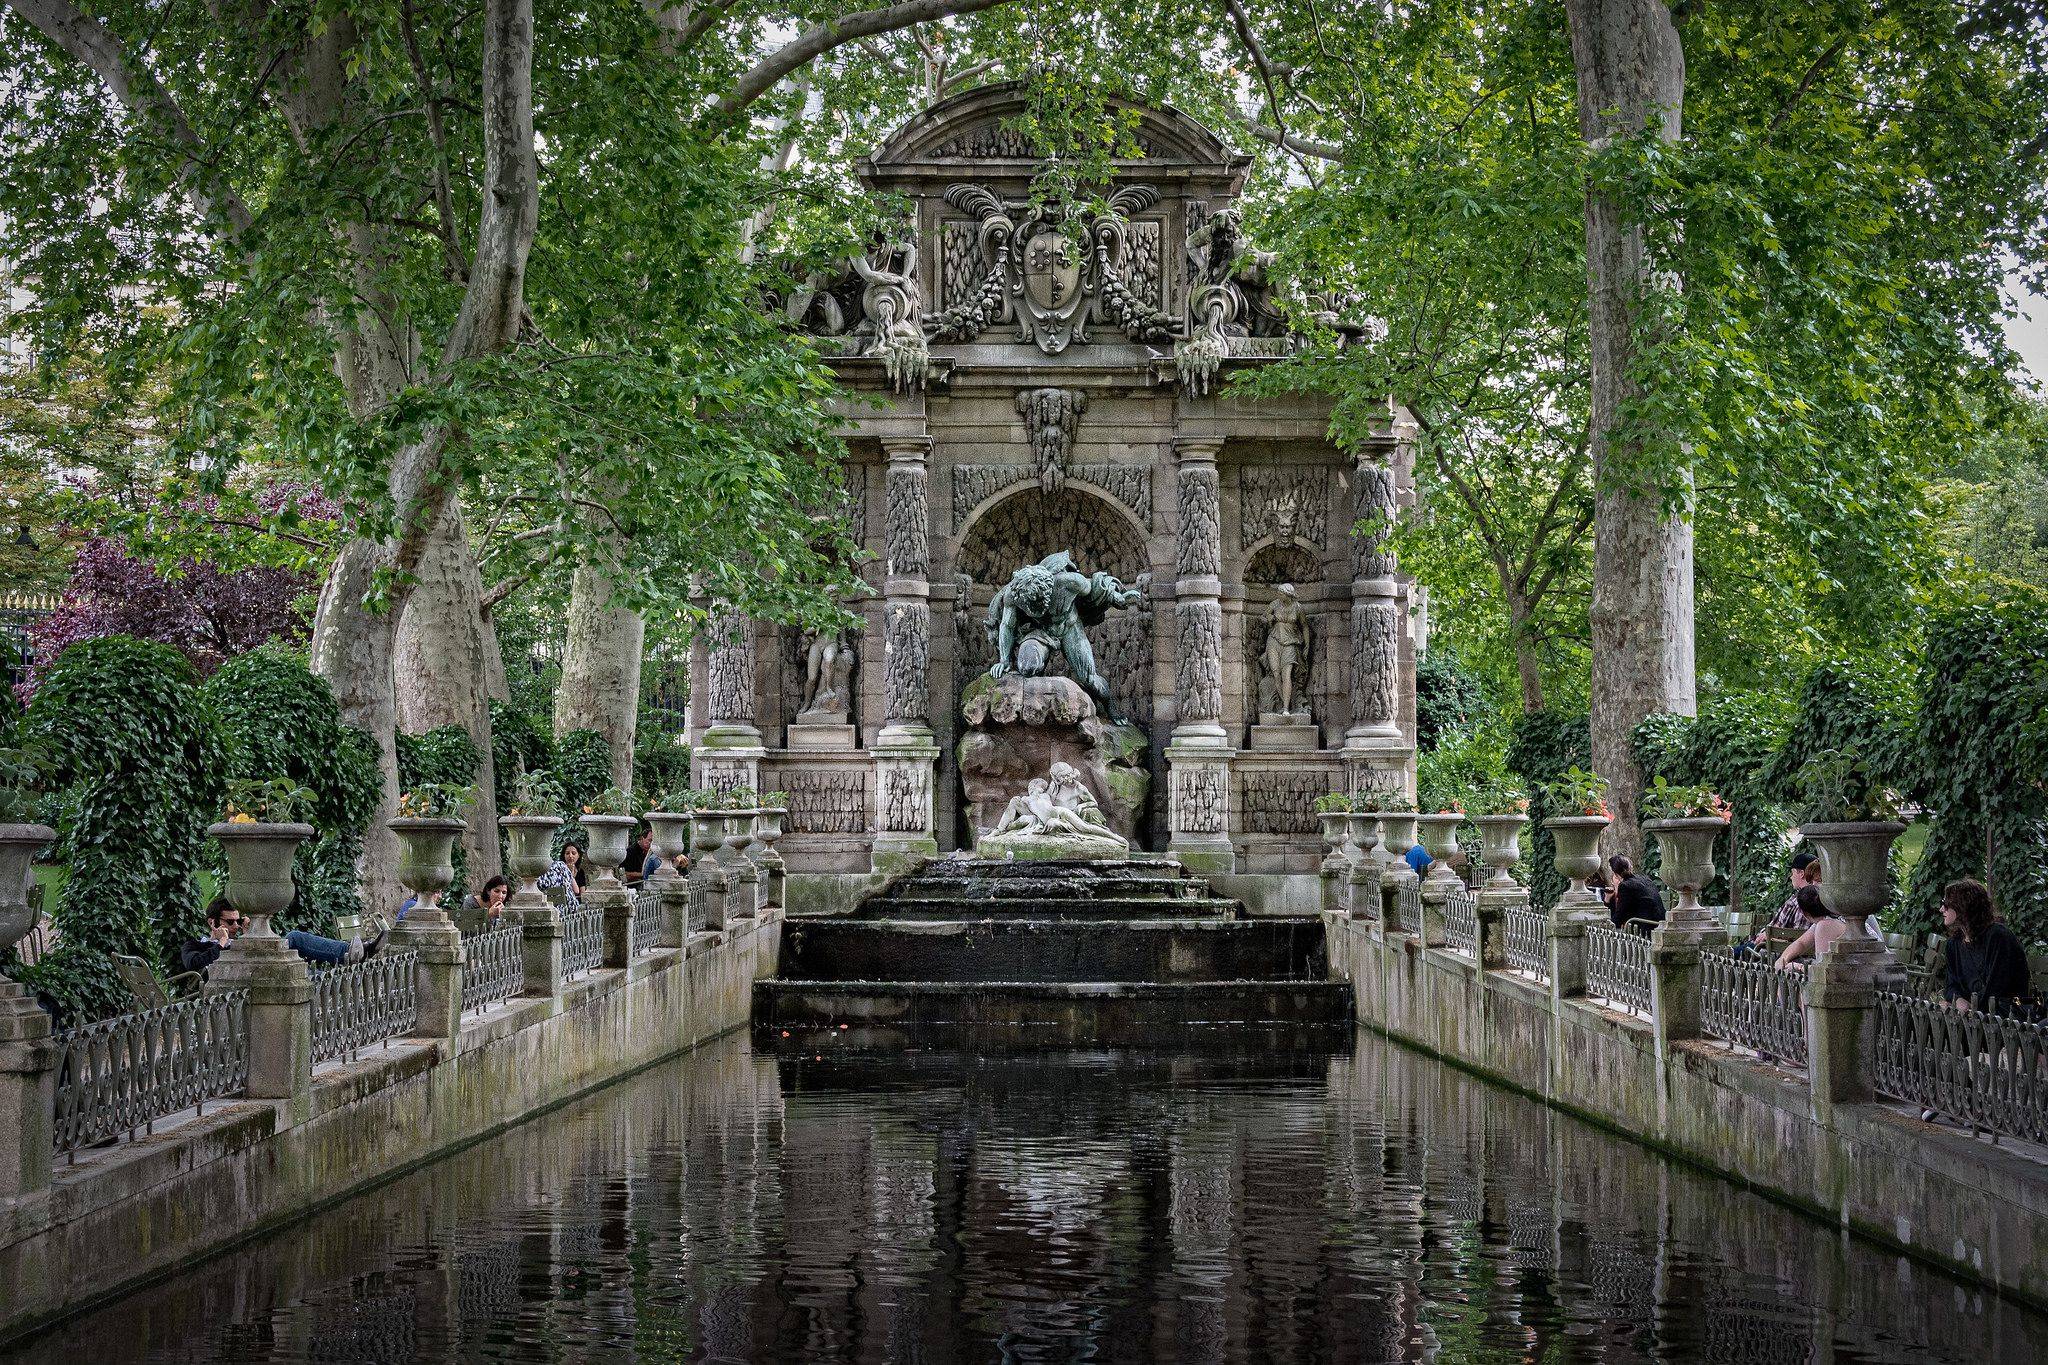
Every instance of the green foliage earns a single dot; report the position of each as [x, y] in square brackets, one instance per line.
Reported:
[277, 718]
[1835, 787]
[738, 798]
[1982, 746]
[139, 763]
[1858, 707]
[1332, 803]
[1450, 700]
[1664, 799]
[520, 743]
[775, 800]
[443, 755]
[24, 777]
[610, 801]
[583, 761]
[275, 800]
[661, 761]
[534, 792]
[79, 982]
[436, 801]
[1461, 770]
[1576, 792]
[1729, 748]
[1545, 746]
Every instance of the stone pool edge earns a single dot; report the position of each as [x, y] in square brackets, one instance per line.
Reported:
[143, 1210]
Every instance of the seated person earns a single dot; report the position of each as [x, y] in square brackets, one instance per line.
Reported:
[1805, 873]
[1634, 897]
[224, 924]
[1983, 963]
[1824, 927]
[1419, 859]
[485, 906]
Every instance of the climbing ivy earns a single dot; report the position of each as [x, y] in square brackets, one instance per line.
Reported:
[1544, 746]
[277, 719]
[583, 765]
[520, 742]
[444, 756]
[138, 764]
[1450, 700]
[1979, 749]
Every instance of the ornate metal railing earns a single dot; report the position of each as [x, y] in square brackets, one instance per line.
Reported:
[364, 1003]
[1461, 921]
[1408, 907]
[582, 941]
[124, 1073]
[1973, 1067]
[646, 920]
[1528, 936]
[493, 968]
[1754, 1005]
[1618, 967]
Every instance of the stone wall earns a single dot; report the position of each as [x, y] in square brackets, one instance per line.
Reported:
[143, 1209]
[1934, 1192]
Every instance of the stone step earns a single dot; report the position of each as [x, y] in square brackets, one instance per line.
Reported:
[1054, 950]
[1051, 1014]
[981, 879]
[1041, 908]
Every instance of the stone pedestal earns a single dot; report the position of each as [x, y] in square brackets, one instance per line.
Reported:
[1568, 948]
[1490, 909]
[1674, 985]
[828, 734]
[1286, 733]
[1841, 1024]
[28, 1093]
[1198, 772]
[1436, 893]
[439, 968]
[905, 835]
[1016, 728]
[280, 1019]
[540, 937]
[616, 910]
[675, 911]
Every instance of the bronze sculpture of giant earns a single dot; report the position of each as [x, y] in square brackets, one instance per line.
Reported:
[1049, 605]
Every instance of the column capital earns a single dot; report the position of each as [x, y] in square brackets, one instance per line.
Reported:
[1197, 449]
[907, 449]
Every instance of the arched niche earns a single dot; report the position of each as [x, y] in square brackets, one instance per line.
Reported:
[1274, 563]
[1024, 527]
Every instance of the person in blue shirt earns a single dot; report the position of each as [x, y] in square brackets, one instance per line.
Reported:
[1419, 859]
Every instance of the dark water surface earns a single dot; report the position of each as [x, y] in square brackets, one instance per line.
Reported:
[1375, 1206]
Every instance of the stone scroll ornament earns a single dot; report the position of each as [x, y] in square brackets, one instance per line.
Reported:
[1051, 270]
[1047, 607]
[1050, 419]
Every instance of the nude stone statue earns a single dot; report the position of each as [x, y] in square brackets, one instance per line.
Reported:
[1055, 806]
[828, 674]
[1286, 645]
[1049, 605]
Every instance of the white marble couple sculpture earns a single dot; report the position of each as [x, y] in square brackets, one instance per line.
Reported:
[1055, 816]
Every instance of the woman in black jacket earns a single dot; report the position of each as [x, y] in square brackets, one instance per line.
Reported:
[1635, 898]
[1985, 960]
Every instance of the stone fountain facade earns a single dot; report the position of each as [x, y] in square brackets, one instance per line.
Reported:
[1042, 390]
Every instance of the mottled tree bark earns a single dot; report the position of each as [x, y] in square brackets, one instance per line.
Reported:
[1631, 78]
[600, 688]
[439, 665]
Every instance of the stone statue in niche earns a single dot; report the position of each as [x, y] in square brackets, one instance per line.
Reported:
[1049, 605]
[1286, 652]
[828, 678]
[1053, 817]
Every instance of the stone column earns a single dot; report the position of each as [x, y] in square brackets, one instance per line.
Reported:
[1674, 987]
[280, 1020]
[730, 752]
[617, 908]
[1436, 893]
[438, 969]
[675, 910]
[1198, 754]
[1376, 753]
[1491, 912]
[1841, 1024]
[28, 1093]
[1568, 951]
[905, 753]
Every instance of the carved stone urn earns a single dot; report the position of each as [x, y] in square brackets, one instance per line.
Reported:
[259, 884]
[1685, 847]
[672, 839]
[707, 831]
[1500, 843]
[529, 842]
[1578, 856]
[426, 852]
[1340, 851]
[18, 845]
[610, 837]
[1400, 832]
[1365, 834]
[1855, 860]
[768, 829]
[1440, 837]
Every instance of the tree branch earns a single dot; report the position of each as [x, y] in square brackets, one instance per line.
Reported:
[493, 302]
[821, 38]
[1820, 64]
[88, 41]
[680, 26]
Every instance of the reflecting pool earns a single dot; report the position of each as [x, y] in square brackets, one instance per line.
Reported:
[1371, 1206]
